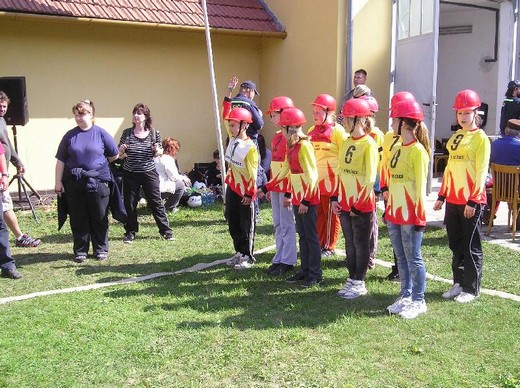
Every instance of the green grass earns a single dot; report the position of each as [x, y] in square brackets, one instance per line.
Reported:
[221, 327]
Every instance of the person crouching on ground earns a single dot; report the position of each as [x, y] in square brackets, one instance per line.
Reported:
[242, 158]
[301, 168]
[353, 198]
[405, 214]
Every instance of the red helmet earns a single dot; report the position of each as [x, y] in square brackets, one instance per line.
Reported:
[279, 103]
[407, 110]
[325, 101]
[401, 96]
[240, 114]
[466, 100]
[292, 117]
[372, 102]
[356, 107]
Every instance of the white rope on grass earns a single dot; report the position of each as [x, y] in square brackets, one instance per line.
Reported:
[197, 267]
[202, 266]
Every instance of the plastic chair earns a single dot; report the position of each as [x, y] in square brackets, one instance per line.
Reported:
[506, 181]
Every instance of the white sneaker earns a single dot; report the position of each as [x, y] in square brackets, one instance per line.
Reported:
[465, 297]
[454, 291]
[234, 260]
[356, 290]
[413, 309]
[346, 287]
[399, 304]
[245, 263]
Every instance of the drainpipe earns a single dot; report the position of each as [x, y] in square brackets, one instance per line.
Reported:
[349, 31]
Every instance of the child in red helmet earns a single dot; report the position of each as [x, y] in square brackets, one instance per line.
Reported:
[301, 169]
[326, 136]
[285, 257]
[353, 198]
[242, 158]
[463, 189]
[405, 214]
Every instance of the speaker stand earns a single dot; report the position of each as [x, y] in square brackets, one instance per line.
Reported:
[23, 183]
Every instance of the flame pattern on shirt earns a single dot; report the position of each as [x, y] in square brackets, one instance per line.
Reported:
[358, 160]
[408, 169]
[326, 140]
[278, 158]
[300, 168]
[464, 178]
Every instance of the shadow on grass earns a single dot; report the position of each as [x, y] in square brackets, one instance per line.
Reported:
[247, 299]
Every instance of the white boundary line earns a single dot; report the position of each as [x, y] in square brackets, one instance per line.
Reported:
[201, 266]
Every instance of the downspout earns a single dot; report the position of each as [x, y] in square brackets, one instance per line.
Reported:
[349, 32]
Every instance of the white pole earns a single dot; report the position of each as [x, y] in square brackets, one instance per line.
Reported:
[215, 99]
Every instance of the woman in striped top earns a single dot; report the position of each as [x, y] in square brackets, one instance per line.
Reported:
[138, 146]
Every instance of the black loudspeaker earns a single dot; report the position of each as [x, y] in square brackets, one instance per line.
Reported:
[17, 111]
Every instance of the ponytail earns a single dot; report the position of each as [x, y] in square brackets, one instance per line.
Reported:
[367, 123]
[295, 136]
[421, 133]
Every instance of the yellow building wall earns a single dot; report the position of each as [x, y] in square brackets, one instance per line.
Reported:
[371, 49]
[117, 66]
[311, 59]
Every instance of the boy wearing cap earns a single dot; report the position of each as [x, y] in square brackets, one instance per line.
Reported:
[511, 105]
[244, 99]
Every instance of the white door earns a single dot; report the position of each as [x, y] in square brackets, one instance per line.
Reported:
[415, 44]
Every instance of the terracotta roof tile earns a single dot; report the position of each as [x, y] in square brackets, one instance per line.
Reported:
[230, 14]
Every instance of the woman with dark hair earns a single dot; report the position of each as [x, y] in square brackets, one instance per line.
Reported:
[171, 183]
[138, 146]
[83, 174]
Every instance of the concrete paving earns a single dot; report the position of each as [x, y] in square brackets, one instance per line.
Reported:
[500, 233]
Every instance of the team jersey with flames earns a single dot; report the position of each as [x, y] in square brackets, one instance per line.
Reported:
[464, 178]
[390, 141]
[358, 159]
[408, 167]
[300, 167]
[326, 140]
[278, 157]
[242, 159]
[379, 138]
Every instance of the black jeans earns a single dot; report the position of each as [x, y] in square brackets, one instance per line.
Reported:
[309, 242]
[88, 212]
[241, 223]
[464, 237]
[357, 231]
[149, 181]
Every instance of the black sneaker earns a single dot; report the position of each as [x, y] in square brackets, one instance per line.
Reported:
[129, 237]
[393, 276]
[27, 241]
[101, 256]
[11, 274]
[297, 277]
[272, 267]
[310, 282]
[168, 235]
[281, 269]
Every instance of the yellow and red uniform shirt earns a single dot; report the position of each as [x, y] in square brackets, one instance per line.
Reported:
[464, 178]
[242, 160]
[390, 141]
[300, 167]
[408, 167]
[379, 138]
[278, 158]
[358, 160]
[326, 140]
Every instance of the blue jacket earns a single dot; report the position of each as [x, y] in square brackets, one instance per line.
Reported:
[241, 101]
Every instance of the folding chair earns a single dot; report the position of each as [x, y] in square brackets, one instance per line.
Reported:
[506, 181]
